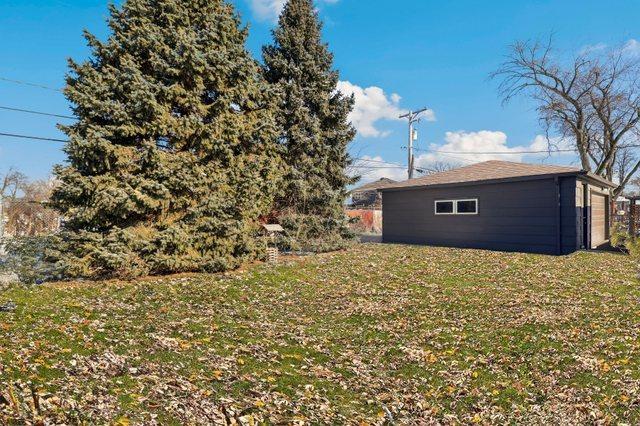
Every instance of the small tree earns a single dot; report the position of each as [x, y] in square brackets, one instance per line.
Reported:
[173, 157]
[314, 129]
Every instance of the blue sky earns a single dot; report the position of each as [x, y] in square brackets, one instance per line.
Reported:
[392, 55]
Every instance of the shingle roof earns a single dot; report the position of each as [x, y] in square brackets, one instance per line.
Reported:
[371, 186]
[489, 170]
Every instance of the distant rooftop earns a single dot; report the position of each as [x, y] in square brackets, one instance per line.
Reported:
[491, 170]
[371, 186]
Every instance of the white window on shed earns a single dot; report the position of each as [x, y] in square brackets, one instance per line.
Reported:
[445, 207]
[467, 207]
[456, 207]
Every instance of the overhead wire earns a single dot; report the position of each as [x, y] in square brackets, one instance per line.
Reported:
[436, 151]
[372, 160]
[28, 111]
[26, 83]
[37, 138]
[444, 153]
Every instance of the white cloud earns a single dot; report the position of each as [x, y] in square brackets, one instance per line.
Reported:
[488, 145]
[269, 10]
[465, 142]
[632, 47]
[554, 147]
[461, 149]
[373, 105]
[592, 48]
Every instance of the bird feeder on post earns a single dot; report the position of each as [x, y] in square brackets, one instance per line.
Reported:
[271, 231]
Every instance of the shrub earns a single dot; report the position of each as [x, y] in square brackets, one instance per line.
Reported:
[315, 234]
[633, 247]
[27, 258]
[621, 239]
[619, 235]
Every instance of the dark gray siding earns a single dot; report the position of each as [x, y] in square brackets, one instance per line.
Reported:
[513, 216]
[571, 216]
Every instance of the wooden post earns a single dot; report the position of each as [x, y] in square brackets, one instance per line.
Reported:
[613, 212]
[632, 216]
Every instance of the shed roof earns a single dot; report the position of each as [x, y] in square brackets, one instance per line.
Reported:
[372, 186]
[494, 171]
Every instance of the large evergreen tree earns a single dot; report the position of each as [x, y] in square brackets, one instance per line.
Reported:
[174, 156]
[314, 129]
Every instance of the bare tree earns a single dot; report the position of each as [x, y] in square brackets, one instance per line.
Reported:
[437, 167]
[633, 188]
[624, 166]
[12, 183]
[615, 99]
[593, 100]
[562, 93]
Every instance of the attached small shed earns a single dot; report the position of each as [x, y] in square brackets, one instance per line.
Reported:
[500, 205]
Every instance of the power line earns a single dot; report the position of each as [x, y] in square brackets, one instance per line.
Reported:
[496, 152]
[26, 83]
[462, 160]
[37, 138]
[371, 160]
[542, 151]
[395, 165]
[378, 167]
[389, 166]
[37, 112]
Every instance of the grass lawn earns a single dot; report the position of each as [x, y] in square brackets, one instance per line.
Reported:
[375, 334]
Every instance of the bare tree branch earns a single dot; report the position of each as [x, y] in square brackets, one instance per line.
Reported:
[592, 99]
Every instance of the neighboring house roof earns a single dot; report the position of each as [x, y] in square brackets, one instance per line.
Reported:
[494, 171]
[372, 186]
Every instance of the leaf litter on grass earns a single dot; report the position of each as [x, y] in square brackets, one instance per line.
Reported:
[375, 334]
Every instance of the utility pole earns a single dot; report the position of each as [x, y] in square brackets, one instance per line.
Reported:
[413, 117]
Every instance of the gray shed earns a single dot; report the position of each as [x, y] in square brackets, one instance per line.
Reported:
[500, 205]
